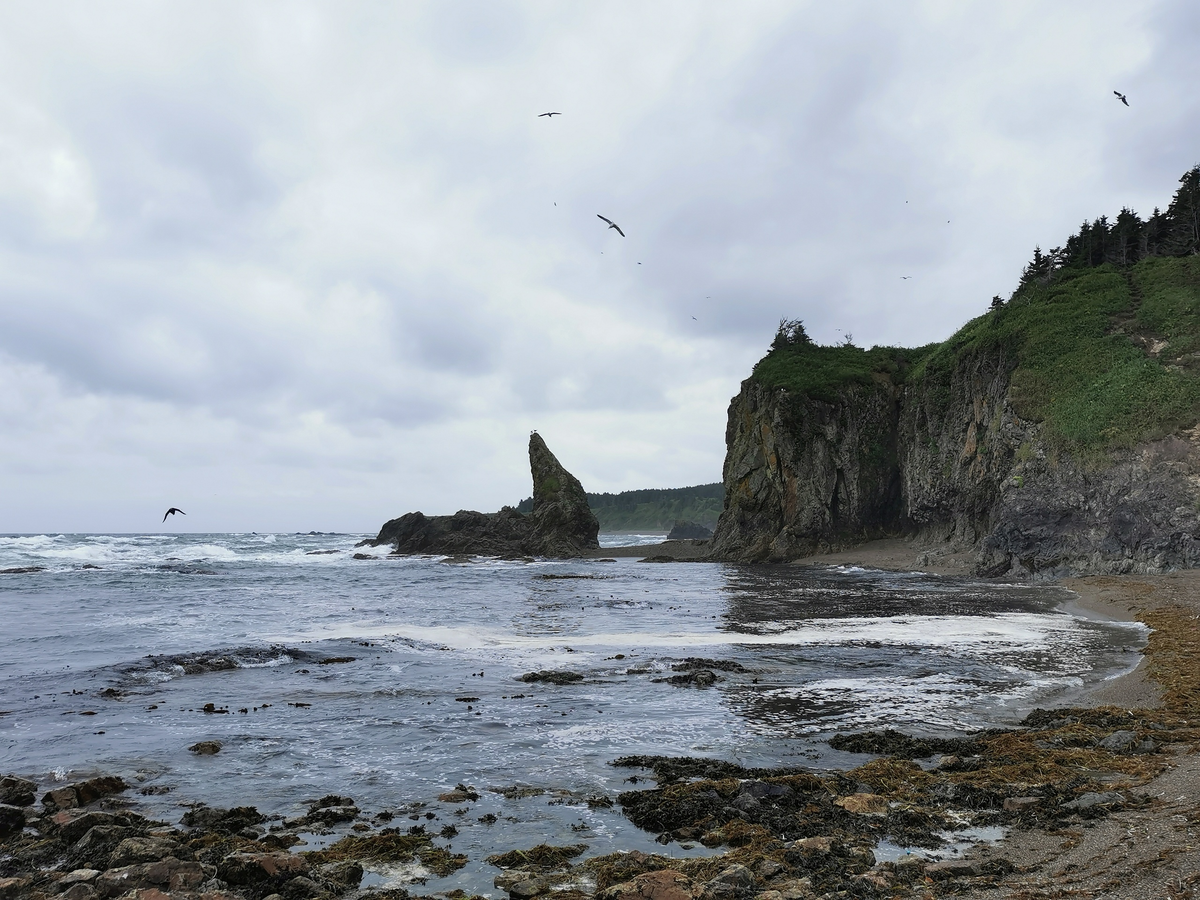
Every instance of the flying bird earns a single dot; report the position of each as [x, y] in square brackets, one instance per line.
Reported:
[905, 277]
[549, 114]
[172, 511]
[1121, 97]
[612, 224]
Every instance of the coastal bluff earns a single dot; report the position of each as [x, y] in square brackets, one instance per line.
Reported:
[560, 526]
[1056, 434]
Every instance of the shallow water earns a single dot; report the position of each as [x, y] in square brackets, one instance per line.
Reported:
[108, 669]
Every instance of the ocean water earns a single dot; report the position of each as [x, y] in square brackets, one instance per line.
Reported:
[391, 680]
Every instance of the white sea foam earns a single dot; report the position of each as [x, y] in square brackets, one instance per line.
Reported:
[981, 634]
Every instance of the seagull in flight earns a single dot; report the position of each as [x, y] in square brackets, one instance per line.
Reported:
[172, 511]
[1121, 97]
[612, 224]
[549, 114]
[905, 277]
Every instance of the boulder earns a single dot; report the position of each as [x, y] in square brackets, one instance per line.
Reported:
[163, 875]
[665, 884]
[733, 882]
[206, 748]
[864, 804]
[12, 821]
[72, 824]
[226, 821]
[95, 848]
[92, 790]
[16, 791]
[60, 798]
[148, 848]
[259, 868]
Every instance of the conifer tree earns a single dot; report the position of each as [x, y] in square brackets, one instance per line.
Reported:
[1183, 216]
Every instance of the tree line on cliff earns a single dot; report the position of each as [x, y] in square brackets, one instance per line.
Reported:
[1101, 338]
[1128, 239]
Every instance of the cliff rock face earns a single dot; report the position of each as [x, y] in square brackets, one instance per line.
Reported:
[950, 461]
[802, 475]
[561, 524]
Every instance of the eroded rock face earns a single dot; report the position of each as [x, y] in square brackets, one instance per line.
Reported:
[561, 525]
[951, 462]
[804, 475]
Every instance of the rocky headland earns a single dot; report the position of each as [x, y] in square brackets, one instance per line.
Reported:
[1055, 435]
[560, 525]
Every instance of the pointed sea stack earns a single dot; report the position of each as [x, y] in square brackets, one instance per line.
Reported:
[561, 525]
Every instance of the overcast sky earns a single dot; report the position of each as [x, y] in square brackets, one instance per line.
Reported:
[308, 266]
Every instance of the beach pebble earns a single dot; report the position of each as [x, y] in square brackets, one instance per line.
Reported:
[1092, 798]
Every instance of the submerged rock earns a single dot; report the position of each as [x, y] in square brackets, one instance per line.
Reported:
[561, 525]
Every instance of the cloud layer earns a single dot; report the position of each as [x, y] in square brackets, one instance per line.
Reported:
[308, 266]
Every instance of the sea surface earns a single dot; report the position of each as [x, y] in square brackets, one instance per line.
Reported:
[392, 680]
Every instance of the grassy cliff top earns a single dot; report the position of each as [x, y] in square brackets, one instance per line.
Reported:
[1104, 356]
[1102, 335]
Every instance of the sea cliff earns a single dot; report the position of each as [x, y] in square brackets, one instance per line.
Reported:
[1054, 435]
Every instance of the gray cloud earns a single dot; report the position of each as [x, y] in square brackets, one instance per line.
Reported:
[326, 261]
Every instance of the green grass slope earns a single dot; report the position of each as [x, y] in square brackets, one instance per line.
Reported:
[1105, 356]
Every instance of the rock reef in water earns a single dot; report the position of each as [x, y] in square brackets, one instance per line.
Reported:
[561, 524]
[688, 531]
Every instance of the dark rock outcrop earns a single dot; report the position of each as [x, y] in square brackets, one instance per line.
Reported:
[561, 524]
[688, 531]
[803, 475]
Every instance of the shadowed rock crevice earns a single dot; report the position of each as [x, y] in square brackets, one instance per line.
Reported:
[561, 524]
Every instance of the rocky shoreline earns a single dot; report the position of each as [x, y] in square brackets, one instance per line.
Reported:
[1065, 788]
[1051, 784]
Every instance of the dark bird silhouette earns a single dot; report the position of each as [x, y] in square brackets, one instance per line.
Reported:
[549, 114]
[1121, 97]
[172, 511]
[611, 224]
[905, 277]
